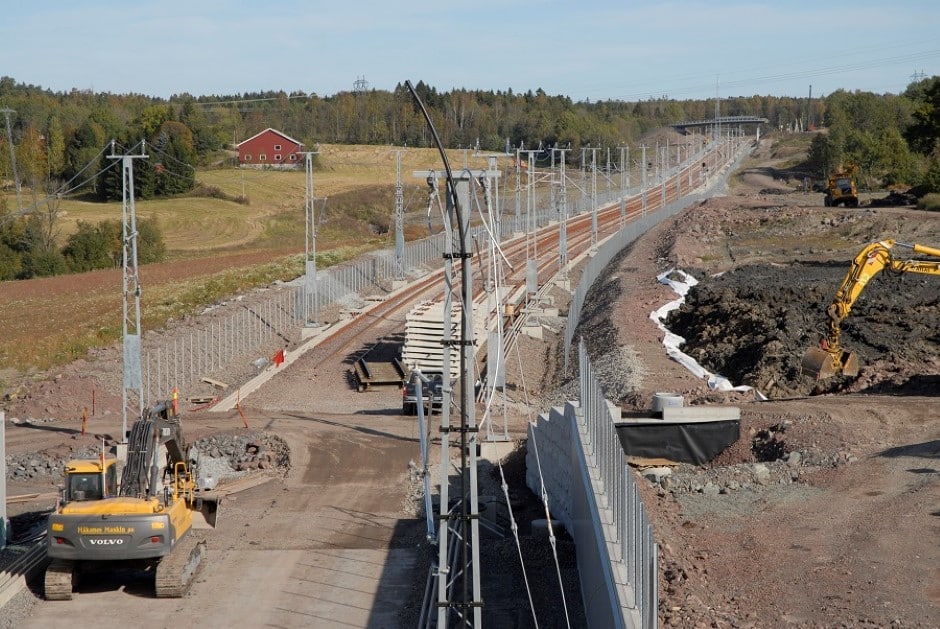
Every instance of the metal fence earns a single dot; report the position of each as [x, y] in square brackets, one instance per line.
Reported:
[245, 339]
[635, 549]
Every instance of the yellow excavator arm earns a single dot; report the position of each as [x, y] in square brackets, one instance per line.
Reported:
[829, 359]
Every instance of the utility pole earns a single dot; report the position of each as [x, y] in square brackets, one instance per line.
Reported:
[310, 245]
[517, 227]
[643, 148]
[624, 169]
[133, 393]
[663, 167]
[593, 198]
[562, 216]
[458, 576]
[16, 180]
[717, 113]
[531, 227]
[399, 220]
[607, 173]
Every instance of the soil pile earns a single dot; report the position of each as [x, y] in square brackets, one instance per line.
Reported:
[753, 323]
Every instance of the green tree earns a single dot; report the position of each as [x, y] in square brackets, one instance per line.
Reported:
[924, 132]
[55, 147]
[93, 246]
[824, 156]
[173, 159]
[150, 245]
[83, 153]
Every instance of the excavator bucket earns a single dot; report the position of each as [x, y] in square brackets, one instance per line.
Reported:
[822, 365]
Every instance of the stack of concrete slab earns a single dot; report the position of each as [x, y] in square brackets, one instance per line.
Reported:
[424, 331]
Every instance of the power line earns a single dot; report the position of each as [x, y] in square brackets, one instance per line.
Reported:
[782, 76]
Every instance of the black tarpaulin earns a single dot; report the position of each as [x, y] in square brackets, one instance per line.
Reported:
[683, 442]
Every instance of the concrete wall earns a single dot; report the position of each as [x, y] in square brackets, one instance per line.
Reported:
[557, 455]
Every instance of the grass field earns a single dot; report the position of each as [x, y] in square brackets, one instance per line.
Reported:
[216, 247]
[275, 208]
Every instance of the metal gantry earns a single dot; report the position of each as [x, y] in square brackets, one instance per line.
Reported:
[133, 392]
[459, 596]
[311, 302]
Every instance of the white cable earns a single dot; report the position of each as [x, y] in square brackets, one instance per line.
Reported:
[544, 493]
[514, 527]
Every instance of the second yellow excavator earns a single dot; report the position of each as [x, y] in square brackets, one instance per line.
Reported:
[830, 359]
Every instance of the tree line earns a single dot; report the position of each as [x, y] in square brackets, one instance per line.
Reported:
[63, 140]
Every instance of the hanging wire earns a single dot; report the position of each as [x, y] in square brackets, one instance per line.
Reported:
[544, 493]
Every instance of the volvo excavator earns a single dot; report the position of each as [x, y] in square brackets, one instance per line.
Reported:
[146, 522]
[830, 359]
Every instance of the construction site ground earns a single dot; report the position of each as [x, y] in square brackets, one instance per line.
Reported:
[826, 513]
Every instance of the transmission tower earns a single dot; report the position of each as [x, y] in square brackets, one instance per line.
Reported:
[133, 394]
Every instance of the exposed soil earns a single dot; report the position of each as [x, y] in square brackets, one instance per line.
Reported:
[825, 512]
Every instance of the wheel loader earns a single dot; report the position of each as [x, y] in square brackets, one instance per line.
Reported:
[146, 522]
[829, 359]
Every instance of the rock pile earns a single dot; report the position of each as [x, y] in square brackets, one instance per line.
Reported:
[773, 463]
[44, 465]
[220, 456]
[225, 455]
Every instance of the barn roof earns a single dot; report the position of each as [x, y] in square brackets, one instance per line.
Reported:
[286, 137]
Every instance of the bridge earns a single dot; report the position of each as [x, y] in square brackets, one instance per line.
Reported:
[721, 121]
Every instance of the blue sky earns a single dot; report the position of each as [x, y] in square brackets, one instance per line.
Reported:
[597, 50]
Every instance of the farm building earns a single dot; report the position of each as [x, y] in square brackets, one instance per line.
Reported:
[270, 148]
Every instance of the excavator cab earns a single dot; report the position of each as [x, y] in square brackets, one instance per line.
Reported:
[89, 479]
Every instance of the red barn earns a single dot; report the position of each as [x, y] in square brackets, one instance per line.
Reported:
[270, 148]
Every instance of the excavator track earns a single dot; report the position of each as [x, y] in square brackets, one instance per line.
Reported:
[58, 581]
[176, 571]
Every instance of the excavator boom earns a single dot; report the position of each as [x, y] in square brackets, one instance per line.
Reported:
[829, 358]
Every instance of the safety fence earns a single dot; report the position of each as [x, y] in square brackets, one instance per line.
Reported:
[246, 338]
[631, 545]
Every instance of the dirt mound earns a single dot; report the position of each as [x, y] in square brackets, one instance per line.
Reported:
[752, 325]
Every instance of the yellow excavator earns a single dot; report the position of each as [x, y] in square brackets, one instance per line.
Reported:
[144, 523]
[830, 359]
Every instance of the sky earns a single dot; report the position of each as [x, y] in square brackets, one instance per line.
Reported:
[587, 50]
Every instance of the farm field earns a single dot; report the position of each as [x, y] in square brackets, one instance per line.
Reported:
[216, 247]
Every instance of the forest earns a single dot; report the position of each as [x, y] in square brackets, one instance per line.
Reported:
[63, 143]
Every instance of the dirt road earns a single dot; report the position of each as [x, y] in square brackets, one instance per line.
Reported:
[835, 525]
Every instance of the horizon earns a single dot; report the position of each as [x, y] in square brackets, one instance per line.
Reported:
[682, 50]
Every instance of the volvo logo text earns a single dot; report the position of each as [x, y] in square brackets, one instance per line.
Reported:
[106, 542]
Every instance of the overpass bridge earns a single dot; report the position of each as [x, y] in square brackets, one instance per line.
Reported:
[728, 122]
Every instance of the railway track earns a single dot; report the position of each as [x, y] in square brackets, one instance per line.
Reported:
[347, 341]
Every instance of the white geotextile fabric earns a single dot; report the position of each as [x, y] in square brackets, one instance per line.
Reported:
[672, 341]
